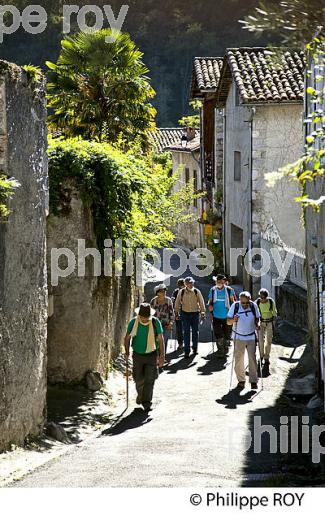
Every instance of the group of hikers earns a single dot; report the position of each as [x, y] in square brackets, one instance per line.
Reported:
[242, 320]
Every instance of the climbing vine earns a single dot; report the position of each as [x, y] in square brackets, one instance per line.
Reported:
[130, 194]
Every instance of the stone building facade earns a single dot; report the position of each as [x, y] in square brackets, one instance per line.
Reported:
[186, 163]
[23, 281]
[315, 228]
[262, 98]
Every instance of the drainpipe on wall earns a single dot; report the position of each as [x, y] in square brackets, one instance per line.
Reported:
[224, 192]
[250, 233]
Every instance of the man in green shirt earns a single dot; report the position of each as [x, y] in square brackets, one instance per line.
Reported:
[268, 313]
[145, 335]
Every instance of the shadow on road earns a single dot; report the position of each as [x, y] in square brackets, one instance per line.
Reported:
[233, 399]
[182, 364]
[213, 364]
[136, 419]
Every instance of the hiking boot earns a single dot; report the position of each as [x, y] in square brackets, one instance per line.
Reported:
[254, 386]
[241, 385]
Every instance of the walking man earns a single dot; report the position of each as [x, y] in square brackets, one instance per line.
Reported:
[268, 312]
[145, 335]
[164, 311]
[244, 317]
[179, 325]
[221, 297]
[189, 306]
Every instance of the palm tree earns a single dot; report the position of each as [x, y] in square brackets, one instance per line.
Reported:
[99, 88]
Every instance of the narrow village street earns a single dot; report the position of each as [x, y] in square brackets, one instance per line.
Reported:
[195, 435]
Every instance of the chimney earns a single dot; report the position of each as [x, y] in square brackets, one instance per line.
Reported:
[190, 133]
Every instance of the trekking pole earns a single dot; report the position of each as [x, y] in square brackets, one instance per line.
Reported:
[212, 337]
[233, 357]
[127, 383]
[260, 361]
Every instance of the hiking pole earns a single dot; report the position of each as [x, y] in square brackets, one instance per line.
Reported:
[260, 361]
[212, 336]
[127, 383]
[233, 357]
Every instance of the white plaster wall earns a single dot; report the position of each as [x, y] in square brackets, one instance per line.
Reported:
[189, 234]
[277, 141]
[237, 193]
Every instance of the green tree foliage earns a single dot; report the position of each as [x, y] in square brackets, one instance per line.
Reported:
[99, 89]
[7, 188]
[295, 21]
[194, 120]
[170, 33]
[130, 194]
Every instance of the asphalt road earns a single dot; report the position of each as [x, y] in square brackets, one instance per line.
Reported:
[195, 435]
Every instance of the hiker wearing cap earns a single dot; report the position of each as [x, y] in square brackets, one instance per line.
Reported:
[164, 311]
[221, 297]
[145, 336]
[244, 317]
[179, 325]
[189, 307]
[268, 312]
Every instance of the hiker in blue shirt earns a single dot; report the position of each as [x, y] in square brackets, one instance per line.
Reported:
[221, 297]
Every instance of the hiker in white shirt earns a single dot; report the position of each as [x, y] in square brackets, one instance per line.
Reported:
[244, 317]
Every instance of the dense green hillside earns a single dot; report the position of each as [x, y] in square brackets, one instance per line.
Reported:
[169, 32]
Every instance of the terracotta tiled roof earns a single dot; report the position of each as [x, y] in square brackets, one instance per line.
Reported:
[263, 76]
[206, 75]
[169, 138]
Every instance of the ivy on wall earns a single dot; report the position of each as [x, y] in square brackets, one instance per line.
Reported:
[129, 193]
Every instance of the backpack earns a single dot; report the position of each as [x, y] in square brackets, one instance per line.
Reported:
[258, 302]
[155, 325]
[228, 289]
[183, 292]
[252, 306]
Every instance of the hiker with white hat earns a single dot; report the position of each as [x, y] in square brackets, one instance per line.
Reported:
[164, 311]
[221, 297]
[188, 307]
[145, 336]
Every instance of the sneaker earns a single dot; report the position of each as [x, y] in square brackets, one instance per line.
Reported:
[254, 386]
[241, 385]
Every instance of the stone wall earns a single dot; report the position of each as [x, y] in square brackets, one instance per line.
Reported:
[292, 304]
[315, 248]
[88, 314]
[23, 284]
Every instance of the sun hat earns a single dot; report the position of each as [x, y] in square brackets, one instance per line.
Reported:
[145, 311]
